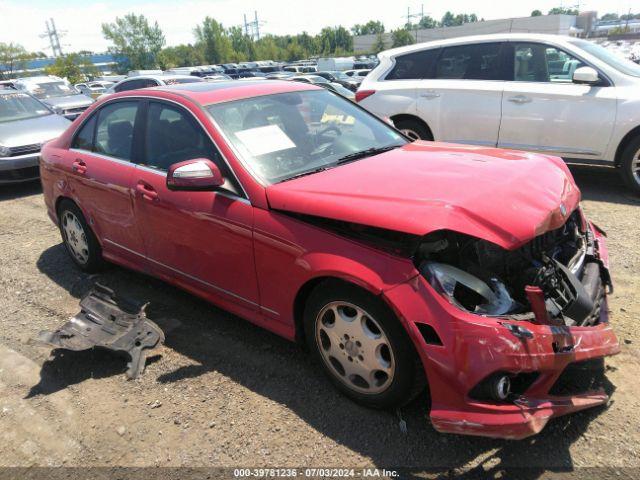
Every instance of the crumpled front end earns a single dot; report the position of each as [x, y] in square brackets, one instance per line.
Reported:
[501, 362]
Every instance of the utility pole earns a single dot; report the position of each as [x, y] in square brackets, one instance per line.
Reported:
[252, 29]
[415, 15]
[53, 35]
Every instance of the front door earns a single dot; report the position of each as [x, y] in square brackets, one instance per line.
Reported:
[544, 111]
[101, 176]
[204, 239]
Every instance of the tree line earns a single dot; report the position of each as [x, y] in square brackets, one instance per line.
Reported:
[138, 44]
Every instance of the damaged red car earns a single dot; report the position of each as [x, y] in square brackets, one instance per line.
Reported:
[470, 271]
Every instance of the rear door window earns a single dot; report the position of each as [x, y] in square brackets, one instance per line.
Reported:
[114, 129]
[84, 138]
[476, 61]
[414, 66]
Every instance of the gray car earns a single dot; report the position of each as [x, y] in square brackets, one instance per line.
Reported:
[25, 124]
[59, 94]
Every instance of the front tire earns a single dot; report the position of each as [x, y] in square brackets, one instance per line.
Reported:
[361, 345]
[630, 165]
[414, 129]
[79, 240]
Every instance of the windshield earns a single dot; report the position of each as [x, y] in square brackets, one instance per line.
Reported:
[51, 89]
[619, 63]
[20, 106]
[341, 75]
[290, 134]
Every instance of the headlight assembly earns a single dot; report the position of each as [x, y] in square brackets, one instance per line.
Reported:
[4, 151]
[467, 291]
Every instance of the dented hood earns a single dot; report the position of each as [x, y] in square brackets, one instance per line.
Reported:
[503, 196]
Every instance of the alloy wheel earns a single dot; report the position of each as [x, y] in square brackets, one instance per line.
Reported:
[75, 237]
[412, 134]
[635, 167]
[354, 347]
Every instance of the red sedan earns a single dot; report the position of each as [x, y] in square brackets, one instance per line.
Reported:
[470, 270]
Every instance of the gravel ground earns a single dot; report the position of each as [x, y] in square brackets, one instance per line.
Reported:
[222, 392]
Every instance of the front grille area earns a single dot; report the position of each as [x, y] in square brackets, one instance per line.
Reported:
[19, 174]
[24, 150]
[580, 377]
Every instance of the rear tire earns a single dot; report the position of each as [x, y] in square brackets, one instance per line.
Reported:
[78, 238]
[376, 366]
[414, 129]
[630, 165]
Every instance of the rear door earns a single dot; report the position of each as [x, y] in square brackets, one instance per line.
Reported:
[544, 111]
[101, 175]
[461, 98]
[201, 238]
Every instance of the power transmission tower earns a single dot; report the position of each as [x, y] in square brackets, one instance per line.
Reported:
[415, 15]
[252, 29]
[54, 37]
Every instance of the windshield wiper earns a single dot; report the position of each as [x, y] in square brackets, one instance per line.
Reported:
[307, 172]
[369, 152]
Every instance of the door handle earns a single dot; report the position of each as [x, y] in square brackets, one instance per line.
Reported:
[430, 94]
[519, 99]
[79, 166]
[147, 191]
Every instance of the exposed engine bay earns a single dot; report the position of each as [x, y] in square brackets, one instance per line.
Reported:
[557, 278]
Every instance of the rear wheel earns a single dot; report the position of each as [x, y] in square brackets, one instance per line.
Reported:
[413, 129]
[361, 345]
[631, 165]
[79, 240]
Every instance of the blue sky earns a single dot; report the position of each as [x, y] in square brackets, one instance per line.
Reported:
[22, 21]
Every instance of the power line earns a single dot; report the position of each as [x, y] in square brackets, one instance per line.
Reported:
[252, 29]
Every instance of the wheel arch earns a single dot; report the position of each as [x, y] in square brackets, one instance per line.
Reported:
[415, 118]
[628, 138]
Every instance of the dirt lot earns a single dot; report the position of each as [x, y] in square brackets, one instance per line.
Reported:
[224, 393]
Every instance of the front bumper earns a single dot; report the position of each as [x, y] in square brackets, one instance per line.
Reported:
[22, 168]
[469, 348]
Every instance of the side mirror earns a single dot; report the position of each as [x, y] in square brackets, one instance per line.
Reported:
[194, 175]
[586, 75]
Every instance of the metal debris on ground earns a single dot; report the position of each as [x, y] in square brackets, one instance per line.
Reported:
[112, 322]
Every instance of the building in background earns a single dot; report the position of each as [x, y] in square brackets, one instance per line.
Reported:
[550, 24]
[104, 62]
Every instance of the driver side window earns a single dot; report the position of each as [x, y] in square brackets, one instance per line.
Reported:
[535, 62]
[171, 136]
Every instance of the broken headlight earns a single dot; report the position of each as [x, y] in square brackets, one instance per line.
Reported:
[467, 291]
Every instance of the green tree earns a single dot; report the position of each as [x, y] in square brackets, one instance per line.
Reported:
[74, 67]
[609, 16]
[401, 37]
[372, 27]
[136, 43]
[563, 11]
[335, 41]
[180, 56]
[448, 19]
[213, 39]
[536, 13]
[427, 22]
[12, 57]
[379, 45]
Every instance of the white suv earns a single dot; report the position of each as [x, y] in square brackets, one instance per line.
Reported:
[544, 93]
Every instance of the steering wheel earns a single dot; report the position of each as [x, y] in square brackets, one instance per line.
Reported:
[330, 128]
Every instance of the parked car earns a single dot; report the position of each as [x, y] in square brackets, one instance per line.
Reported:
[358, 74]
[25, 124]
[148, 81]
[323, 82]
[216, 77]
[546, 93]
[340, 77]
[63, 98]
[93, 89]
[305, 214]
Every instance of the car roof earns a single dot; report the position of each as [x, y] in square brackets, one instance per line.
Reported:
[162, 76]
[206, 93]
[495, 37]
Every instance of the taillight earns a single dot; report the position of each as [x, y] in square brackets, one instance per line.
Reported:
[362, 94]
